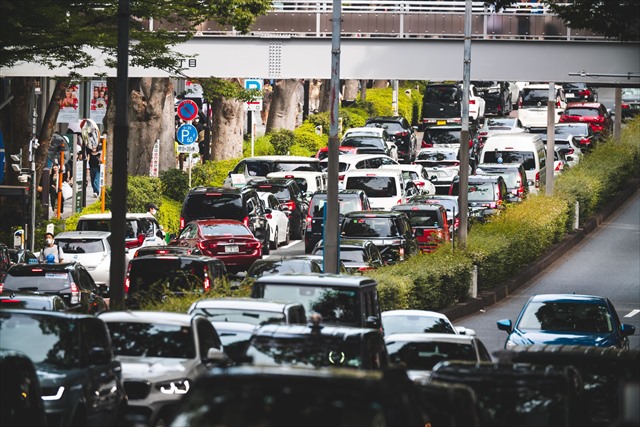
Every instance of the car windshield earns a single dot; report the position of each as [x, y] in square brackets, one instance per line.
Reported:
[578, 129]
[566, 317]
[228, 314]
[305, 350]
[370, 227]
[46, 339]
[214, 205]
[423, 218]
[437, 136]
[225, 230]
[335, 305]
[535, 97]
[36, 279]
[411, 324]
[373, 186]
[444, 94]
[152, 340]
[348, 254]
[479, 191]
[631, 94]
[281, 192]
[423, 356]
[347, 204]
[363, 142]
[527, 158]
[266, 267]
[80, 246]
[582, 112]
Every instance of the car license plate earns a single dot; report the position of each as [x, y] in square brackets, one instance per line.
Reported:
[569, 95]
[441, 122]
[231, 248]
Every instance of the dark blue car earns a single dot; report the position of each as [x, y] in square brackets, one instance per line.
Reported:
[567, 319]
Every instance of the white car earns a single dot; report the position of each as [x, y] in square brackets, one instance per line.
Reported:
[419, 321]
[442, 165]
[279, 232]
[385, 188]
[91, 249]
[477, 105]
[532, 105]
[375, 131]
[497, 125]
[309, 182]
[347, 162]
[417, 174]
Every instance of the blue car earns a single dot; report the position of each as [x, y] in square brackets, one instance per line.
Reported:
[567, 319]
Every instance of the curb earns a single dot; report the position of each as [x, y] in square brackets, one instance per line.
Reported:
[487, 298]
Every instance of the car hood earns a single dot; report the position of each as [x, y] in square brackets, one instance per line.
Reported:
[556, 338]
[51, 376]
[156, 368]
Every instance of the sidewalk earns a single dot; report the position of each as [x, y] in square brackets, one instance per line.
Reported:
[68, 204]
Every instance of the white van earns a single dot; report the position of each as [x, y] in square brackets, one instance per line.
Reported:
[525, 148]
[385, 188]
[532, 105]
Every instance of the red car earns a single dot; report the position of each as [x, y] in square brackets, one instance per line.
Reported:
[593, 113]
[228, 240]
[429, 223]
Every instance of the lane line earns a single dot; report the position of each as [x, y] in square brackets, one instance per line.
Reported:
[632, 313]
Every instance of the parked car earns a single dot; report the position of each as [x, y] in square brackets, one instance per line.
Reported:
[32, 301]
[567, 319]
[323, 153]
[583, 135]
[20, 391]
[358, 255]
[580, 92]
[384, 187]
[358, 161]
[254, 395]
[309, 182]
[593, 113]
[277, 219]
[92, 249]
[390, 231]
[420, 322]
[142, 229]
[442, 165]
[514, 175]
[346, 300]
[319, 259]
[279, 265]
[162, 354]
[403, 133]
[446, 135]
[228, 240]
[240, 204]
[254, 311]
[429, 223]
[374, 131]
[235, 338]
[421, 352]
[416, 174]
[251, 168]
[441, 104]
[496, 95]
[71, 281]
[292, 200]
[80, 379]
[450, 204]
[348, 201]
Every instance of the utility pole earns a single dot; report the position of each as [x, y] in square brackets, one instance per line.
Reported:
[551, 138]
[332, 209]
[463, 195]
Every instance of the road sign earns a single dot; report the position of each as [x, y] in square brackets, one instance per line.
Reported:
[255, 105]
[253, 84]
[187, 134]
[189, 148]
[187, 110]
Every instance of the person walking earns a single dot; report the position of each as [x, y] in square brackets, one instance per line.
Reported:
[152, 209]
[55, 187]
[94, 157]
[266, 102]
[50, 253]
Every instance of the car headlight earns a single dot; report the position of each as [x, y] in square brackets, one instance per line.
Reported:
[174, 387]
[56, 396]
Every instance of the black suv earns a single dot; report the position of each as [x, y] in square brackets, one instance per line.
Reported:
[69, 280]
[390, 231]
[292, 201]
[442, 104]
[401, 131]
[241, 204]
[579, 92]
[496, 95]
[81, 380]
[349, 201]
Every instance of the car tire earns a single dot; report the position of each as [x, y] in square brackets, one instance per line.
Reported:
[266, 249]
[299, 231]
[273, 244]
[287, 236]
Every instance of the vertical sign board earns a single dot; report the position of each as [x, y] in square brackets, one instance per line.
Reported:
[256, 104]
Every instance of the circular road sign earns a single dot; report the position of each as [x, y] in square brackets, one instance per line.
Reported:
[187, 134]
[187, 110]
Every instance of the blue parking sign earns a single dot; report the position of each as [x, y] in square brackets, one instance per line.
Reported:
[187, 134]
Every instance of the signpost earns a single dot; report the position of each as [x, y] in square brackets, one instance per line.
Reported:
[187, 134]
[253, 106]
[187, 110]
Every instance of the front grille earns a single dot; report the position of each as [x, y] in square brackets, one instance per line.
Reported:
[137, 390]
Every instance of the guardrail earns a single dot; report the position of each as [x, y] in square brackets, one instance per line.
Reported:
[401, 19]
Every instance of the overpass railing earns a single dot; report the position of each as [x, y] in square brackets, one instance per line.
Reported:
[402, 19]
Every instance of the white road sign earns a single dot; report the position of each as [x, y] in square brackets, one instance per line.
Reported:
[188, 148]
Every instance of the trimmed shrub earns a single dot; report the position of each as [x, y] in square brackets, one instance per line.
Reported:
[282, 141]
[261, 147]
[307, 139]
[169, 215]
[212, 174]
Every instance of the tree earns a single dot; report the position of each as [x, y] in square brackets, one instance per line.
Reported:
[284, 105]
[613, 19]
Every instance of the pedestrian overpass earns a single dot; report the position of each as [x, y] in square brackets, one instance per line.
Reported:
[406, 40]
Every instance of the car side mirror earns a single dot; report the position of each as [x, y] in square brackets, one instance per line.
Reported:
[626, 329]
[217, 356]
[98, 356]
[373, 322]
[103, 291]
[160, 234]
[505, 325]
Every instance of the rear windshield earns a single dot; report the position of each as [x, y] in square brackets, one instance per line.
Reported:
[363, 141]
[133, 226]
[533, 97]
[479, 192]
[444, 94]
[423, 218]
[154, 274]
[229, 314]
[527, 158]
[213, 205]
[225, 230]
[347, 204]
[266, 267]
[370, 227]
[582, 112]
[392, 127]
[579, 129]
[373, 186]
[511, 177]
[37, 279]
[80, 246]
[263, 168]
[281, 193]
[152, 340]
[437, 136]
[348, 254]
[437, 156]
[424, 356]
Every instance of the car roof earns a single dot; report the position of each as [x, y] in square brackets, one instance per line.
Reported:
[318, 279]
[83, 234]
[439, 148]
[215, 221]
[404, 167]
[283, 330]
[351, 243]
[191, 257]
[271, 181]
[499, 166]
[152, 317]
[279, 372]
[430, 337]
[567, 298]
[49, 313]
[349, 192]
[366, 130]
[417, 205]
[584, 105]
[244, 304]
[107, 215]
[539, 86]
[282, 159]
[294, 174]
[373, 214]
[61, 267]
[385, 119]
[425, 313]
[513, 136]
[353, 158]
[218, 189]
[377, 172]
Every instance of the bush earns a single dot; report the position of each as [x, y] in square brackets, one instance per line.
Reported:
[408, 102]
[261, 147]
[282, 141]
[142, 190]
[175, 184]
[212, 174]
[169, 215]
[307, 139]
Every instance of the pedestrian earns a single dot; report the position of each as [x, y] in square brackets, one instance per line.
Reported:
[94, 157]
[50, 253]
[55, 187]
[314, 95]
[152, 209]
[266, 102]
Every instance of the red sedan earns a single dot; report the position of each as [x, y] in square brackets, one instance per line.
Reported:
[228, 240]
[593, 113]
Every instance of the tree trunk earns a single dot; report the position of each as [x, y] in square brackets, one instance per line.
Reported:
[49, 122]
[18, 128]
[227, 118]
[284, 105]
[380, 84]
[325, 96]
[350, 92]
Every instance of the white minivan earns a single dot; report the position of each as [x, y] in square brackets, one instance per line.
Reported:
[385, 188]
[525, 148]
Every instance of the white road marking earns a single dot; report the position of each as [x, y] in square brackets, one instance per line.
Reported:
[632, 313]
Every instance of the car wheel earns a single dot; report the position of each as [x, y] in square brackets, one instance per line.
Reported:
[265, 245]
[273, 244]
[287, 236]
[299, 230]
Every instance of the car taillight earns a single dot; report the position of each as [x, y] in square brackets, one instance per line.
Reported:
[537, 179]
[584, 141]
[557, 104]
[309, 219]
[1, 287]
[399, 202]
[75, 294]
[563, 119]
[402, 133]
[365, 268]
[599, 119]
[207, 245]
[127, 280]
[419, 183]
[571, 150]
[246, 221]
[340, 177]
[625, 106]
[181, 223]
[290, 205]
[206, 283]
[254, 246]
[456, 222]
[558, 167]
[426, 144]
[472, 101]
[519, 102]
[268, 216]
[584, 92]
[401, 252]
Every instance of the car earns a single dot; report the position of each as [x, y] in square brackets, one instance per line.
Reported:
[92, 249]
[80, 379]
[487, 194]
[292, 200]
[572, 319]
[347, 300]
[151, 277]
[630, 105]
[348, 201]
[477, 105]
[384, 187]
[399, 128]
[580, 92]
[496, 95]
[22, 256]
[168, 250]
[560, 163]
[358, 255]
[70, 280]
[416, 174]
[240, 204]
[495, 125]
[421, 352]
[583, 135]
[442, 165]
[32, 301]
[20, 391]
[319, 259]
[286, 264]
[278, 220]
[142, 229]
[228, 240]
[532, 105]
[449, 404]
[445, 135]
[323, 153]
[358, 161]
[450, 204]
[254, 311]
[514, 175]
[429, 223]
[593, 113]
[370, 144]
[161, 354]
[390, 231]
[251, 168]
[298, 396]
[319, 346]
[441, 104]
[420, 322]
[309, 182]
[375, 131]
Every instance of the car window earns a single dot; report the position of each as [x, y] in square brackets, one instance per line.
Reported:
[224, 229]
[207, 337]
[533, 97]
[80, 246]
[370, 227]
[213, 205]
[435, 136]
[373, 186]
[410, 324]
[238, 315]
[152, 275]
[422, 218]
[140, 339]
[425, 355]
[582, 112]
[310, 166]
[36, 279]
[433, 156]
[566, 316]
[94, 335]
[363, 141]
[527, 158]
[281, 192]
[444, 94]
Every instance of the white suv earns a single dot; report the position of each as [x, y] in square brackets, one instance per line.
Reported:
[385, 188]
[532, 105]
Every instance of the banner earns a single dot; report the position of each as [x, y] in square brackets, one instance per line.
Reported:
[69, 112]
[99, 100]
